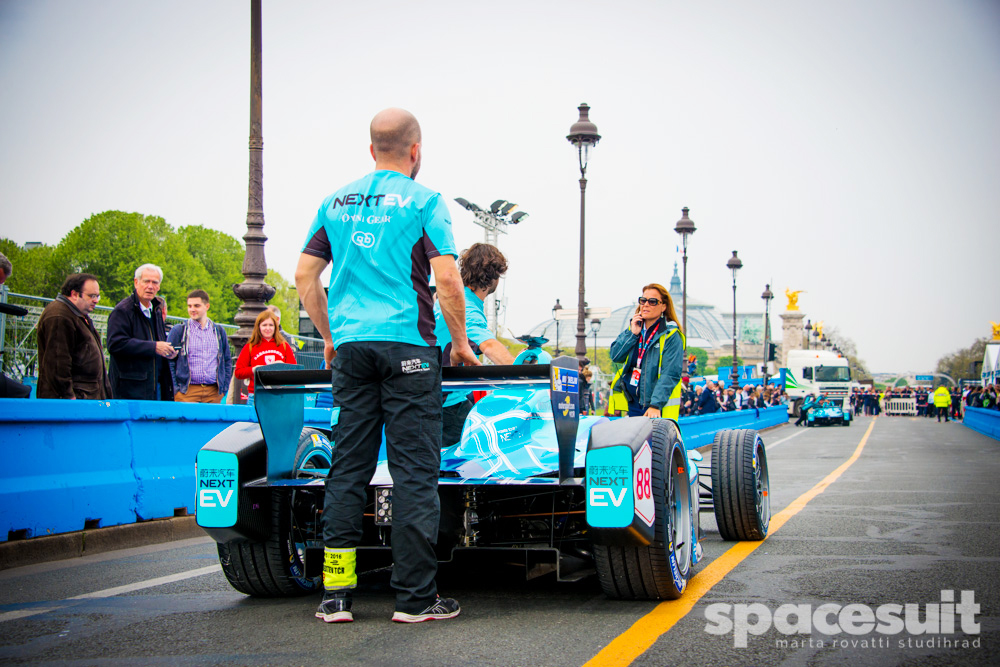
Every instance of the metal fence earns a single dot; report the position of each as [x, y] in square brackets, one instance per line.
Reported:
[19, 341]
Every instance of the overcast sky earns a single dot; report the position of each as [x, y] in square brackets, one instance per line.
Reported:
[848, 149]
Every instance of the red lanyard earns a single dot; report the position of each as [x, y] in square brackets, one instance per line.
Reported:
[644, 345]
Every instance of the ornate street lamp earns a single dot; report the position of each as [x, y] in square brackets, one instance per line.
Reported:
[253, 291]
[767, 296]
[685, 227]
[555, 315]
[583, 134]
[809, 328]
[734, 264]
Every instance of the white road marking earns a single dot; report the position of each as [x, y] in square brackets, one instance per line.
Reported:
[24, 613]
[111, 592]
[149, 583]
[768, 448]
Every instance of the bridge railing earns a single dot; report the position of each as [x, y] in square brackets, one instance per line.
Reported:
[19, 340]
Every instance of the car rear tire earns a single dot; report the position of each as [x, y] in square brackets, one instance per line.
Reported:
[275, 567]
[740, 485]
[661, 569]
[797, 407]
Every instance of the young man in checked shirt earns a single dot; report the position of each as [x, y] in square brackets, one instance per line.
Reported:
[203, 366]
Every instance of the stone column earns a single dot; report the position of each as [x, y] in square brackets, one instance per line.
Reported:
[791, 333]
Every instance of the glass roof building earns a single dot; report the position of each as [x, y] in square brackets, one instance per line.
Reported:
[708, 328]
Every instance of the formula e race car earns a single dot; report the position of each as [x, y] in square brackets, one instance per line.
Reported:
[530, 479]
[827, 412]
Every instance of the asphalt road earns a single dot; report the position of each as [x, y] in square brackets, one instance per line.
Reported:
[915, 514]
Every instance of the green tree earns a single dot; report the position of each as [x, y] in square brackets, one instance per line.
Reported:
[960, 365]
[727, 362]
[221, 256]
[112, 244]
[109, 245]
[34, 271]
[286, 298]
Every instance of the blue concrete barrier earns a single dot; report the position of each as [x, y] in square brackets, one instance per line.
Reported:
[983, 421]
[700, 431]
[70, 465]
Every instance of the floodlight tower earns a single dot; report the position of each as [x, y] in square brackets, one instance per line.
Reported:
[494, 222]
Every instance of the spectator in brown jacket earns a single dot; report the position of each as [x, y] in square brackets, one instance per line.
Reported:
[70, 354]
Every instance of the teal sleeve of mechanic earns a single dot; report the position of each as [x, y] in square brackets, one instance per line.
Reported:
[623, 345]
[670, 370]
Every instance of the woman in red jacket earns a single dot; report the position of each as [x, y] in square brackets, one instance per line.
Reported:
[266, 346]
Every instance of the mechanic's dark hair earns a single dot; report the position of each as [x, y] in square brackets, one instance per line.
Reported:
[481, 265]
[198, 294]
[74, 283]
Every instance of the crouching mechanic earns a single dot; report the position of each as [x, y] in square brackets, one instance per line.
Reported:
[384, 235]
[481, 268]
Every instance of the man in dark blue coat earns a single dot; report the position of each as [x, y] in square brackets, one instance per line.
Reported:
[706, 402]
[137, 341]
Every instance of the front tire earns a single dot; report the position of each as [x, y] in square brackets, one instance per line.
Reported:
[740, 485]
[661, 569]
[275, 567]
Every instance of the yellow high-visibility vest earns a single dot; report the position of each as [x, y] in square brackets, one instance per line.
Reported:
[672, 410]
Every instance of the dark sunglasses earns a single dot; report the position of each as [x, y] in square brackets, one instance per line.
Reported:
[653, 302]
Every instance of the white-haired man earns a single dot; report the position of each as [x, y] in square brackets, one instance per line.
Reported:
[137, 341]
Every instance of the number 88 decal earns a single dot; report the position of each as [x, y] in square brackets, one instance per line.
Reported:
[642, 484]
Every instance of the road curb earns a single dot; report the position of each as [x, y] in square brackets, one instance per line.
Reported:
[17, 553]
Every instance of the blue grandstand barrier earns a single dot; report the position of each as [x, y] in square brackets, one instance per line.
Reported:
[700, 431]
[983, 421]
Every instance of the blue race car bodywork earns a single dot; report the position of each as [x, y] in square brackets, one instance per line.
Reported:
[826, 413]
[569, 494]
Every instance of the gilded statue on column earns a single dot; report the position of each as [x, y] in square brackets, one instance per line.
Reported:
[793, 298]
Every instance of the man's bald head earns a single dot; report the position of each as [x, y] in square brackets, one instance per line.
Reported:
[394, 132]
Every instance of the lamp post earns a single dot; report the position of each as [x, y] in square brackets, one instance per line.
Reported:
[734, 264]
[595, 326]
[684, 227]
[582, 134]
[555, 315]
[253, 292]
[809, 328]
[767, 296]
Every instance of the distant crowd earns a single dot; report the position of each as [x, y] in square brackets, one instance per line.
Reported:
[872, 402]
[714, 397]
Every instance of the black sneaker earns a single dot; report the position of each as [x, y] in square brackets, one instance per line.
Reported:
[335, 607]
[441, 609]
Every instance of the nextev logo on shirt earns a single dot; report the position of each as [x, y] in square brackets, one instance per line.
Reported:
[371, 200]
[414, 366]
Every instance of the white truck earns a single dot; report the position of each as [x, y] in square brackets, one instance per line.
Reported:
[816, 372]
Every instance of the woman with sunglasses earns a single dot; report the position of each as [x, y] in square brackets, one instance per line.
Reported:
[651, 350]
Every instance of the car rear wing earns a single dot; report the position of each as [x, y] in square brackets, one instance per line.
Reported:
[279, 402]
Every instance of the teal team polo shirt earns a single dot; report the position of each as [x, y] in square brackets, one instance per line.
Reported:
[380, 233]
[476, 330]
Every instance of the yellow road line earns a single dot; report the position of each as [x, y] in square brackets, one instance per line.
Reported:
[635, 641]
